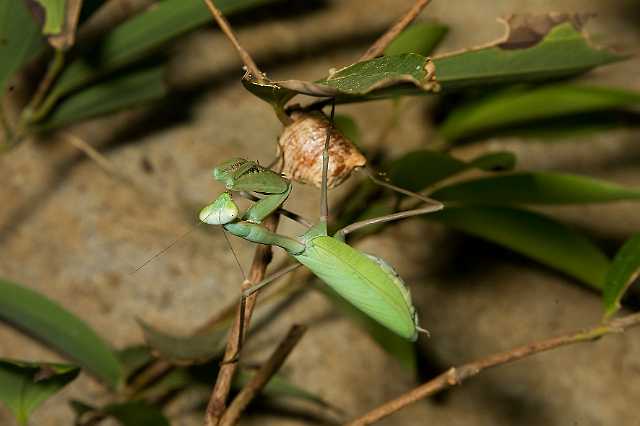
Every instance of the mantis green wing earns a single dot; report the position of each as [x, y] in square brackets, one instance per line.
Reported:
[359, 278]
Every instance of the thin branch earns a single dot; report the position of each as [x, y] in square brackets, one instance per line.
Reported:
[33, 111]
[262, 376]
[456, 375]
[226, 29]
[380, 44]
[217, 403]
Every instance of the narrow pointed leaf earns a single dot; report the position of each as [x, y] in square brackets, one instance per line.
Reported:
[518, 107]
[141, 35]
[563, 52]
[54, 11]
[278, 386]
[417, 170]
[136, 413]
[421, 38]
[20, 38]
[401, 349]
[623, 272]
[26, 385]
[535, 188]
[185, 350]
[108, 96]
[49, 322]
[130, 413]
[533, 235]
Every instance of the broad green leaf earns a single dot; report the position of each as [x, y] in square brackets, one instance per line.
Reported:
[108, 96]
[365, 77]
[26, 385]
[20, 38]
[421, 38]
[518, 107]
[139, 36]
[185, 350]
[133, 358]
[380, 78]
[130, 413]
[49, 322]
[278, 386]
[400, 348]
[563, 52]
[623, 272]
[535, 188]
[417, 170]
[531, 234]
[136, 413]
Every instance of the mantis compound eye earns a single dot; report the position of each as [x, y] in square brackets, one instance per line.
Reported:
[222, 211]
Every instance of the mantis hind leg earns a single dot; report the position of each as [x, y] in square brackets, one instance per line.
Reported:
[243, 300]
[431, 206]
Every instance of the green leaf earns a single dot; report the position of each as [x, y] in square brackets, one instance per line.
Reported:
[20, 38]
[623, 272]
[531, 234]
[52, 324]
[420, 169]
[108, 96]
[563, 52]
[401, 349]
[130, 413]
[185, 350]
[136, 413]
[26, 385]
[535, 188]
[518, 107]
[421, 38]
[278, 386]
[139, 36]
[54, 13]
[380, 78]
[133, 358]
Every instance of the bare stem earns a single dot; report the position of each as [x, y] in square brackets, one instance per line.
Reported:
[217, 403]
[380, 44]
[262, 376]
[33, 111]
[456, 375]
[226, 29]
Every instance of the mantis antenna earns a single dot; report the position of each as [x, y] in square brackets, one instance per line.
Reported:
[324, 199]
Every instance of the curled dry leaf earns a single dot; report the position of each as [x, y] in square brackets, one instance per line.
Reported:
[300, 148]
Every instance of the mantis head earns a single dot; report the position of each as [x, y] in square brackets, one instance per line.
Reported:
[222, 211]
[229, 170]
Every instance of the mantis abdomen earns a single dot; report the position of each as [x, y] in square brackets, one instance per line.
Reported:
[372, 288]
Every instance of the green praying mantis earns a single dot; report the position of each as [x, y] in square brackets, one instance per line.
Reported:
[366, 281]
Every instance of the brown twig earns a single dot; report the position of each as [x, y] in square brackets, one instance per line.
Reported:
[226, 29]
[217, 402]
[456, 375]
[262, 376]
[377, 48]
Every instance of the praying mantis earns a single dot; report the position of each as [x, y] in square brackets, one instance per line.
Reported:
[366, 281]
